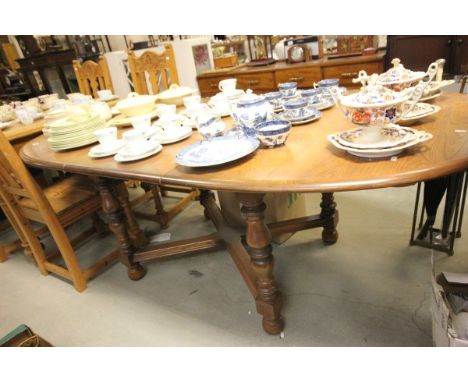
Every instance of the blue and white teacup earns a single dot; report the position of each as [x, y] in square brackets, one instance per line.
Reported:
[287, 89]
[313, 96]
[273, 132]
[295, 108]
[328, 83]
[274, 98]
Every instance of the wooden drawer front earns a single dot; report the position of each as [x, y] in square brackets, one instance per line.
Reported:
[259, 81]
[346, 73]
[305, 77]
[209, 86]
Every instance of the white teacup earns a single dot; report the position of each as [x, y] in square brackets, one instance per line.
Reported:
[58, 105]
[136, 141]
[166, 110]
[192, 102]
[25, 116]
[170, 124]
[221, 106]
[107, 137]
[141, 121]
[228, 86]
[105, 94]
[82, 99]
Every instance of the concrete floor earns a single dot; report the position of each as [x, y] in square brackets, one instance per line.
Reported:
[369, 289]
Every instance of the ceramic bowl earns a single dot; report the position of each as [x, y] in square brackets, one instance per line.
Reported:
[287, 89]
[295, 108]
[7, 113]
[273, 133]
[274, 98]
[136, 104]
[175, 94]
[210, 126]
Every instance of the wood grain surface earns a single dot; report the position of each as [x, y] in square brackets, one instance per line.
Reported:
[307, 163]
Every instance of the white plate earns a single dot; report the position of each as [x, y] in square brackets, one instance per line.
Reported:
[184, 133]
[121, 158]
[99, 152]
[434, 96]
[217, 151]
[323, 105]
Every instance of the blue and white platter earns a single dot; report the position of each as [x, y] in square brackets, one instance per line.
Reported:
[217, 151]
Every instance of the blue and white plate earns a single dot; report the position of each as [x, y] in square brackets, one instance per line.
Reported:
[217, 151]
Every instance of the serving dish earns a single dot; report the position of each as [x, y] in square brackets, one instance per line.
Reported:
[273, 133]
[420, 111]
[136, 104]
[218, 151]
[175, 94]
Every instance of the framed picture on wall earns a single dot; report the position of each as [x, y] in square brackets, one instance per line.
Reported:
[201, 57]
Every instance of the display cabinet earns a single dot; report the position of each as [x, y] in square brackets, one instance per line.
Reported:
[49, 72]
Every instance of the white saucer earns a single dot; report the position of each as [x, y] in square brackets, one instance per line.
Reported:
[307, 120]
[99, 152]
[4, 125]
[113, 97]
[121, 157]
[232, 95]
[184, 133]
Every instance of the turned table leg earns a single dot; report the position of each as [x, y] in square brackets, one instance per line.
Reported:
[135, 232]
[330, 214]
[113, 211]
[258, 238]
[161, 215]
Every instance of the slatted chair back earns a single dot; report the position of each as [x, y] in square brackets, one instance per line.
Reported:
[92, 76]
[159, 70]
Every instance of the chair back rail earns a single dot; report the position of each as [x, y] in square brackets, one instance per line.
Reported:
[92, 76]
[157, 70]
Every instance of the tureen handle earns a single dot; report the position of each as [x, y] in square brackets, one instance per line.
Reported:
[132, 95]
[419, 89]
[440, 69]
[363, 78]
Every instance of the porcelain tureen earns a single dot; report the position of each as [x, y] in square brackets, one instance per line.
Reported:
[397, 78]
[376, 105]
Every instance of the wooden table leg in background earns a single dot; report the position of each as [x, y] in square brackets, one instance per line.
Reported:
[258, 240]
[330, 215]
[114, 213]
[135, 232]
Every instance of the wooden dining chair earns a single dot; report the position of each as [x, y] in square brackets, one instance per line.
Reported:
[153, 73]
[92, 76]
[157, 70]
[56, 207]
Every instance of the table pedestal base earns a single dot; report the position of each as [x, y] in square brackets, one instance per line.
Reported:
[252, 254]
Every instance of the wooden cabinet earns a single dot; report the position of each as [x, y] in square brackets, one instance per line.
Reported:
[257, 82]
[266, 78]
[305, 77]
[209, 86]
[346, 73]
[417, 52]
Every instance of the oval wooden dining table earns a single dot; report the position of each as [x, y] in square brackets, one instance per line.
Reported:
[306, 163]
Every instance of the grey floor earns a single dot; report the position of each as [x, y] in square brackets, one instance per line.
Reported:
[369, 289]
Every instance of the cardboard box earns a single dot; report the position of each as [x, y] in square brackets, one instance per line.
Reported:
[280, 206]
[445, 323]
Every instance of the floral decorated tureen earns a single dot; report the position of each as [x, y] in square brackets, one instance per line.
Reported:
[376, 105]
[397, 78]
[250, 111]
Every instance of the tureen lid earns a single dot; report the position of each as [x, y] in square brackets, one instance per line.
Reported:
[373, 95]
[399, 74]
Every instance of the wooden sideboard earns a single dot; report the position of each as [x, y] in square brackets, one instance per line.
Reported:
[266, 78]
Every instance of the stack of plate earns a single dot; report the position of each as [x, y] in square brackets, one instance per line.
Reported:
[311, 114]
[73, 131]
[394, 139]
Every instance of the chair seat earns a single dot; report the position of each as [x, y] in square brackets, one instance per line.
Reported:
[65, 194]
